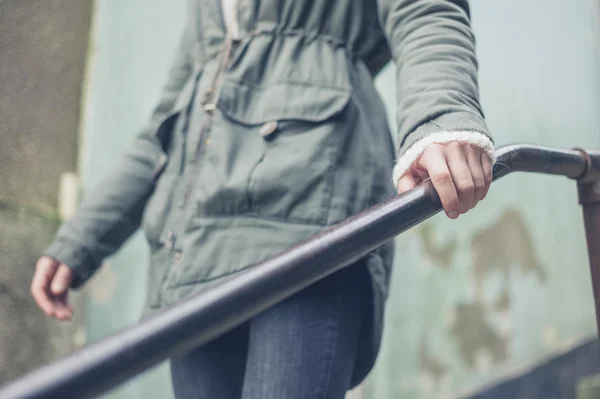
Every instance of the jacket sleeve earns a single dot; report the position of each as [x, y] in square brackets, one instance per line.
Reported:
[112, 212]
[433, 47]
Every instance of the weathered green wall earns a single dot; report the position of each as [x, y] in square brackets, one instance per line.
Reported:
[509, 281]
[43, 47]
[471, 299]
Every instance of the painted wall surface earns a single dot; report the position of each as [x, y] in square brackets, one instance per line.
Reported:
[509, 281]
[501, 287]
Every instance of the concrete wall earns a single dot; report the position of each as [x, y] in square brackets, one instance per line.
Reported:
[471, 299]
[43, 47]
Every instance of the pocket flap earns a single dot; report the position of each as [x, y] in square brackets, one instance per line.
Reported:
[254, 105]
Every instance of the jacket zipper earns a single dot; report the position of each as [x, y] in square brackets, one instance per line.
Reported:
[208, 105]
[229, 10]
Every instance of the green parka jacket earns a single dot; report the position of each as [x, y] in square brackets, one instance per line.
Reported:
[270, 131]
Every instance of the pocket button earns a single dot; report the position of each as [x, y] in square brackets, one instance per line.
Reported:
[267, 129]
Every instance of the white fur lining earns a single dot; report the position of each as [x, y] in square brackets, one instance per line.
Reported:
[414, 152]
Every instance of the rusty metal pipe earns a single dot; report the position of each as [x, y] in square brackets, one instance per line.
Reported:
[588, 188]
[101, 366]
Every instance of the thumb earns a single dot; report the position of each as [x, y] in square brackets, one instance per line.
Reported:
[407, 182]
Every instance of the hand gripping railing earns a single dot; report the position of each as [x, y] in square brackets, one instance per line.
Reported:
[101, 366]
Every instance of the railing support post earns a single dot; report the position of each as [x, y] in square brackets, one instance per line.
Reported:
[588, 188]
[589, 198]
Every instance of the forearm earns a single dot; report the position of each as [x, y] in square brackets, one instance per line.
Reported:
[112, 211]
[433, 48]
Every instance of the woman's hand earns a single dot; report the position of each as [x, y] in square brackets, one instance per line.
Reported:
[50, 287]
[461, 174]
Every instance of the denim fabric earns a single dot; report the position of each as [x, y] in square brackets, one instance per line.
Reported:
[304, 347]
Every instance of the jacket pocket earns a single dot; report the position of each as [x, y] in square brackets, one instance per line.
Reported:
[293, 131]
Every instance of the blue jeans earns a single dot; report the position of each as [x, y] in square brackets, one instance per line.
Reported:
[303, 348]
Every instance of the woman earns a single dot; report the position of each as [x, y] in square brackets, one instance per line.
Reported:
[270, 130]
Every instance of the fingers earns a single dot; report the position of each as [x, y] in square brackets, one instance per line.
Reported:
[407, 182]
[434, 161]
[62, 308]
[62, 280]
[44, 272]
[474, 162]
[60, 286]
[461, 175]
[49, 288]
[486, 164]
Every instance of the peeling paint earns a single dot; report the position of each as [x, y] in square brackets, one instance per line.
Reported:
[550, 337]
[502, 247]
[483, 360]
[441, 254]
[429, 364]
[475, 336]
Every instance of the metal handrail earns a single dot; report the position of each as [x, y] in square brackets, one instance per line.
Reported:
[101, 366]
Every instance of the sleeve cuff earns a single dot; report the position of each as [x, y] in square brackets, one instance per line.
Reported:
[477, 139]
[74, 255]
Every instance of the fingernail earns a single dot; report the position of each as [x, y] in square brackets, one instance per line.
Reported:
[453, 214]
